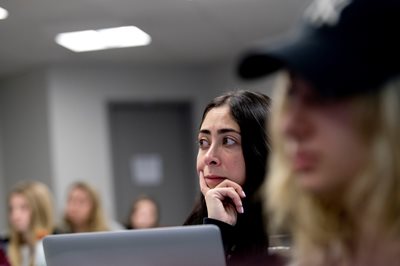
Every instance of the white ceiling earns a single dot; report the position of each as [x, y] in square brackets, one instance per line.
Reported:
[183, 31]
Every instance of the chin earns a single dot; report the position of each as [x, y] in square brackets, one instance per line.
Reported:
[310, 183]
[212, 183]
[321, 191]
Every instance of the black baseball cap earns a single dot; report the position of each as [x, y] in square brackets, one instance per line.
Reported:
[342, 47]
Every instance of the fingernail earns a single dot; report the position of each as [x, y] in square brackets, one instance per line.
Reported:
[243, 194]
[241, 210]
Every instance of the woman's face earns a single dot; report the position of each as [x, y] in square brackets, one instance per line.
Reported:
[220, 154]
[20, 213]
[321, 139]
[79, 206]
[144, 215]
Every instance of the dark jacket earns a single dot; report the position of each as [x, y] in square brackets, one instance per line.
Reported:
[244, 243]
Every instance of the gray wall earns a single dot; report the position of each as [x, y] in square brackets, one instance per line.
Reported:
[24, 131]
[162, 130]
[3, 213]
[78, 116]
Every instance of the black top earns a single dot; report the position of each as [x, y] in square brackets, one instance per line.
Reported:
[244, 253]
[244, 241]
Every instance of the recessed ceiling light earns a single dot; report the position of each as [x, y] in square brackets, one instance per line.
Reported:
[110, 38]
[3, 13]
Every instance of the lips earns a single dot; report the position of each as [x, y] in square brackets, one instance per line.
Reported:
[304, 161]
[213, 180]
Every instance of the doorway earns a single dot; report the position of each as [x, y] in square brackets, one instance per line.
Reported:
[153, 154]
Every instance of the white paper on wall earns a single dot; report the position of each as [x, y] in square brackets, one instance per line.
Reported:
[146, 169]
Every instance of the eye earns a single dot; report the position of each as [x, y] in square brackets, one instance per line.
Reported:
[303, 92]
[229, 141]
[203, 143]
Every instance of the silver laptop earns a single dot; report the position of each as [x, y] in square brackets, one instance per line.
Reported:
[195, 245]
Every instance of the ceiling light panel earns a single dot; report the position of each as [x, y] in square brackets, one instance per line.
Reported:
[110, 38]
[3, 13]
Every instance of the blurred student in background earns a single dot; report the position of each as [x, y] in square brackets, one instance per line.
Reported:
[334, 177]
[30, 212]
[83, 211]
[145, 213]
[231, 163]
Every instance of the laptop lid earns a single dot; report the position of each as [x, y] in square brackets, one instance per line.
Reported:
[194, 245]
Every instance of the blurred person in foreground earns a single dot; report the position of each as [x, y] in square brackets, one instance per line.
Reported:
[334, 177]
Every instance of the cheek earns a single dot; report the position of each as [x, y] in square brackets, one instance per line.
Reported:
[345, 158]
[27, 220]
[27, 215]
[200, 162]
[238, 170]
[347, 143]
[86, 209]
[242, 178]
[354, 160]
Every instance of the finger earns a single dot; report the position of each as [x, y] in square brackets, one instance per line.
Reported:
[228, 194]
[234, 185]
[203, 185]
[235, 199]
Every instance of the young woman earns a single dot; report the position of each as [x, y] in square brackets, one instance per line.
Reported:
[144, 213]
[231, 163]
[334, 177]
[83, 211]
[30, 218]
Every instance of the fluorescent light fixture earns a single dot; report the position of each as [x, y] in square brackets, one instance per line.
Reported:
[3, 13]
[92, 40]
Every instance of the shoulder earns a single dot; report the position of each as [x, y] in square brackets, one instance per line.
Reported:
[39, 256]
[115, 226]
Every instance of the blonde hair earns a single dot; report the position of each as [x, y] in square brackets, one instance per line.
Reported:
[324, 230]
[40, 201]
[96, 220]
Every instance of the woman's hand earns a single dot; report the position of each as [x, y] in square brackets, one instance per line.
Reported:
[224, 201]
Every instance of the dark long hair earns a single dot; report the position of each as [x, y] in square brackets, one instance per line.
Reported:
[250, 110]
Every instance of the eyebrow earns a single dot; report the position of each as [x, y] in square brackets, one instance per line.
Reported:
[219, 131]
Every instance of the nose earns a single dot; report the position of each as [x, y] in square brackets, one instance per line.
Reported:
[295, 123]
[212, 156]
